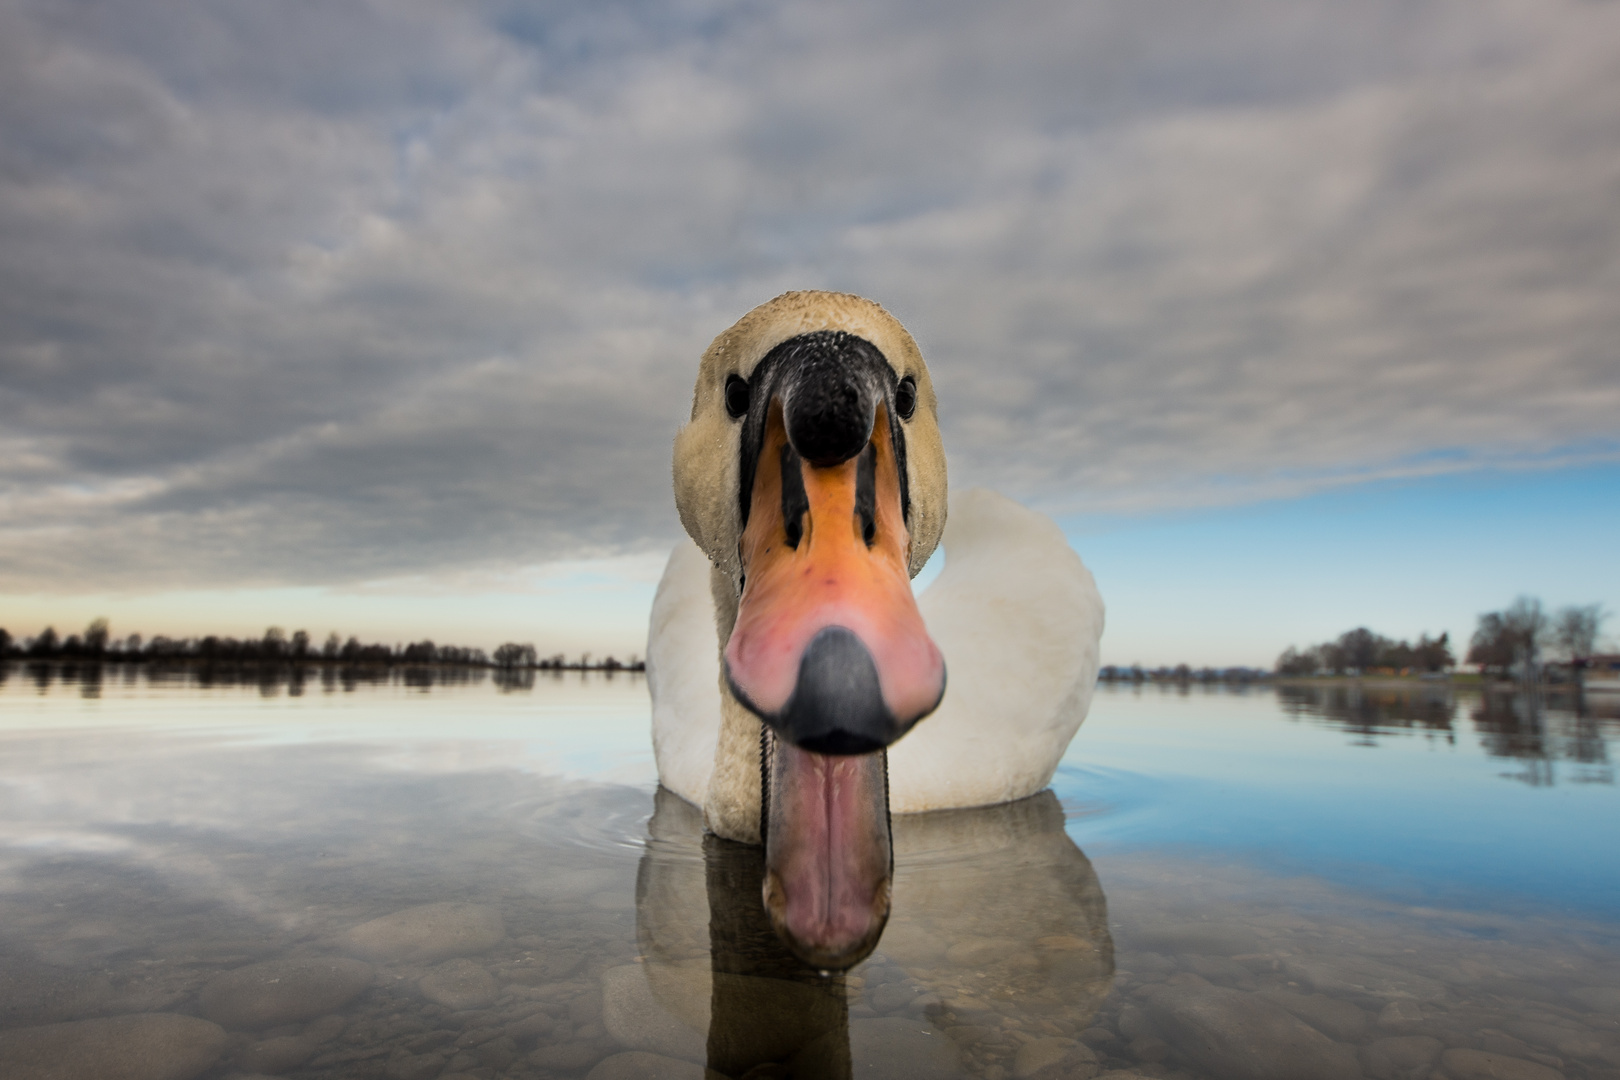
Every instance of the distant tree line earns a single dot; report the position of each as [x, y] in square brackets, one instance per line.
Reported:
[1360, 651]
[1511, 642]
[277, 647]
[1181, 674]
[1514, 641]
[513, 656]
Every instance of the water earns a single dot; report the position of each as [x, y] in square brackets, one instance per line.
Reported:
[417, 878]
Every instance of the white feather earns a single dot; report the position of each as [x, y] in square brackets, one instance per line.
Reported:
[683, 674]
[1018, 618]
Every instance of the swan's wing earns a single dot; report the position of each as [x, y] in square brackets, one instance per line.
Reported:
[1018, 617]
[683, 674]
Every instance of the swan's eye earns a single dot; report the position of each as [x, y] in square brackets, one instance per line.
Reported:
[736, 395]
[905, 397]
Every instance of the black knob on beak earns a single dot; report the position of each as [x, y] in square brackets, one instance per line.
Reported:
[828, 404]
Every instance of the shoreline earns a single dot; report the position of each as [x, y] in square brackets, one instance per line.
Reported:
[1462, 681]
[370, 668]
[315, 663]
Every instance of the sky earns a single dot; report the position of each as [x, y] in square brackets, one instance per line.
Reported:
[380, 318]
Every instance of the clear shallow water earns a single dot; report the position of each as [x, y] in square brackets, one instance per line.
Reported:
[1476, 801]
[464, 879]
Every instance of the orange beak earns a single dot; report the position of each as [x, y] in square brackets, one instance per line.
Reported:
[829, 648]
[830, 651]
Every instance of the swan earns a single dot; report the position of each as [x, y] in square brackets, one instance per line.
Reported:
[810, 478]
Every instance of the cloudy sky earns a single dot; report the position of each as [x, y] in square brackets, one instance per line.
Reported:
[381, 316]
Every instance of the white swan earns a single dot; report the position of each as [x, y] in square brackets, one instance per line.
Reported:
[812, 480]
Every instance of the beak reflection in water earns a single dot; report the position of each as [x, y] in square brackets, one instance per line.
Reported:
[992, 905]
[829, 648]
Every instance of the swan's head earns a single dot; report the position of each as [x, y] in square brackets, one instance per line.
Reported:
[812, 475]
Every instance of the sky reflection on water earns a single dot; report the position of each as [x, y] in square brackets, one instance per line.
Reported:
[1473, 800]
[1433, 866]
[1478, 800]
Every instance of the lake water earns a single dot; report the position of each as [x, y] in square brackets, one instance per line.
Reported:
[416, 878]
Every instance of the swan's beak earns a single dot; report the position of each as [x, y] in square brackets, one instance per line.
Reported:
[830, 651]
[829, 648]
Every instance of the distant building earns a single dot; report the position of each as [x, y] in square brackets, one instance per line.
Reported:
[1602, 672]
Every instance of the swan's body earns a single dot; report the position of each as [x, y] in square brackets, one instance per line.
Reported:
[1017, 616]
[811, 479]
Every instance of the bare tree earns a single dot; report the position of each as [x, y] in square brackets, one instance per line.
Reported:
[45, 644]
[1575, 629]
[274, 644]
[1360, 648]
[95, 637]
[1434, 654]
[1528, 625]
[1512, 639]
[514, 655]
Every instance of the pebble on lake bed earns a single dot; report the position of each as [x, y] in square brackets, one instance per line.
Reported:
[1601, 999]
[1482, 1065]
[673, 1023]
[427, 934]
[1363, 975]
[1333, 1017]
[35, 993]
[276, 1055]
[1400, 1015]
[286, 991]
[147, 1046]
[1400, 1057]
[641, 1065]
[1562, 1040]
[566, 1056]
[459, 984]
[1054, 1056]
[1245, 1037]
[892, 998]
[1214, 939]
[408, 1066]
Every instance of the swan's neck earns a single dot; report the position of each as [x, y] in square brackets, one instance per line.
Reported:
[731, 807]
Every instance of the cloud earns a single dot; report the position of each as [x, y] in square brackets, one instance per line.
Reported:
[351, 292]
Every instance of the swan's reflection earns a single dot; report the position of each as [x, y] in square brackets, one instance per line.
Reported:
[998, 919]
